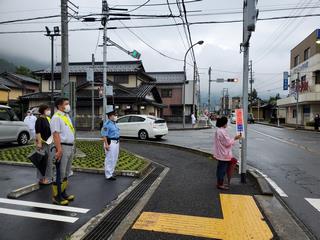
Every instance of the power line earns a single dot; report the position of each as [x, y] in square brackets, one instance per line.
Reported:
[30, 19]
[144, 4]
[154, 4]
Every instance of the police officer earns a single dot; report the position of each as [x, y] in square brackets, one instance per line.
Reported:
[63, 136]
[111, 134]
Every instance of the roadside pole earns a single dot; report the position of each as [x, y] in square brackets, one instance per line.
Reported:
[104, 21]
[194, 88]
[250, 15]
[209, 94]
[251, 82]
[92, 96]
[297, 99]
[65, 89]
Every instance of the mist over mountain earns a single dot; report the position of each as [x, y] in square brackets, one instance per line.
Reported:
[10, 62]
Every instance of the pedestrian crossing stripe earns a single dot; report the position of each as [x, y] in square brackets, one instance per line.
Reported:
[44, 205]
[314, 202]
[242, 220]
[38, 215]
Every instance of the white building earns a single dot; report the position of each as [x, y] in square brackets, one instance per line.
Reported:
[305, 70]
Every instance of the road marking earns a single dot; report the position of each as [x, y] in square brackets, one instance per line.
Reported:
[287, 142]
[242, 220]
[314, 202]
[43, 205]
[272, 183]
[38, 215]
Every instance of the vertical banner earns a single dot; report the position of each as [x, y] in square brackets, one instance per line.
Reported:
[239, 122]
[285, 80]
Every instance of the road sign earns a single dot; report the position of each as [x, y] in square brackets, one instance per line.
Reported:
[109, 90]
[285, 80]
[239, 122]
[90, 74]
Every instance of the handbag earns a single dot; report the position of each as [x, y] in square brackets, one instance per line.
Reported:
[39, 160]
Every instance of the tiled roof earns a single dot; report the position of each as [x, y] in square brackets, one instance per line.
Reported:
[3, 87]
[24, 78]
[8, 83]
[40, 95]
[112, 67]
[167, 77]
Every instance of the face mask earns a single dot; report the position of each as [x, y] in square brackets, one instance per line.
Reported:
[67, 108]
[115, 118]
[48, 113]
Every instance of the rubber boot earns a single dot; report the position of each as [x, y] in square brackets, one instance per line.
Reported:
[56, 197]
[64, 194]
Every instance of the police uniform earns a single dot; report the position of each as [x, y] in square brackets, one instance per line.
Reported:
[61, 123]
[111, 131]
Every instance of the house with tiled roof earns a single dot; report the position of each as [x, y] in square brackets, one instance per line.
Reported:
[134, 91]
[170, 85]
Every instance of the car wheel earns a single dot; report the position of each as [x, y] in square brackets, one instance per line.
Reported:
[23, 138]
[143, 135]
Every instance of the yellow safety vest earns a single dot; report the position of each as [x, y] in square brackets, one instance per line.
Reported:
[66, 120]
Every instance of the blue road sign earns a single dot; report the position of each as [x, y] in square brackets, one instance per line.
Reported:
[240, 128]
[285, 80]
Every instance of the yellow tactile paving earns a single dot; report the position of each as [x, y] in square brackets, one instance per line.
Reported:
[242, 220]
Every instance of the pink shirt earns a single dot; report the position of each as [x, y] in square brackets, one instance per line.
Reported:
[222, 145]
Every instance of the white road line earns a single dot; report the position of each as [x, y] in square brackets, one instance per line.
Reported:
[44, 205]
[314, 202]
[38, 215]
[273, 184]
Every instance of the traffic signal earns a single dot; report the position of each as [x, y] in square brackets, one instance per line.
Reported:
[252, 14]
[232, 80]
[135, 54]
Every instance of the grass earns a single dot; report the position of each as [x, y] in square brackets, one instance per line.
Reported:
[94, 156]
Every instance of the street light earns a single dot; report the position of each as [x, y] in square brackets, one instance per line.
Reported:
[55, 33]
[184, 82]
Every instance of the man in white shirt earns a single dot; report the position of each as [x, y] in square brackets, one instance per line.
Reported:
[64, 140]
[193, 120]
[30, 120]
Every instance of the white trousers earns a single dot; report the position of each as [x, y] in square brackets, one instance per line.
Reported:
[111, 159]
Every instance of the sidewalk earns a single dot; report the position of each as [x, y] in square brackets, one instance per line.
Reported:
[289, 126]
[187, 204]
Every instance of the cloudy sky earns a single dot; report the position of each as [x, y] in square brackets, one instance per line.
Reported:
[270, 44]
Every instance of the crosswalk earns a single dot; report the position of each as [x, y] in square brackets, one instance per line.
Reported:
[314, 202]
[40, 215]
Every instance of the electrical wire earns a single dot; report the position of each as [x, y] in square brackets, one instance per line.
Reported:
[30, 19]
[142, 5]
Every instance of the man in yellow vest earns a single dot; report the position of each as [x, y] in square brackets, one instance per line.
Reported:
[64, 140]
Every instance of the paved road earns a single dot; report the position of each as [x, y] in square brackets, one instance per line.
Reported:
[290, 158]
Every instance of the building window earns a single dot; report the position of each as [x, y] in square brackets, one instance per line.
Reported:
[166, 93]
[121, 79]
[294, 113]
[317, 80]
[296, 60]
[56, 84]
[306, 54]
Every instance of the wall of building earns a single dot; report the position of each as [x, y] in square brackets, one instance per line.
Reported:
[175, 99]
[4, 96]
[15, 94]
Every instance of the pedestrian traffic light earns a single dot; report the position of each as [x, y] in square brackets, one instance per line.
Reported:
[135, 54]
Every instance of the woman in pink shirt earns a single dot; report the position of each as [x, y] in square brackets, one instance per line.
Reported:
[222, 150]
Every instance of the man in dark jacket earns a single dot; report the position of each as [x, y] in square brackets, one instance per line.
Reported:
[316, 122]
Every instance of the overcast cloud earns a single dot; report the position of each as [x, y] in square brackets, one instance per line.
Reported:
[270, 44]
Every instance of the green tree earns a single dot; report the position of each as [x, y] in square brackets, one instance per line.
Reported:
[24, 71]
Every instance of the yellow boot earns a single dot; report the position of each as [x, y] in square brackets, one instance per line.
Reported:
[64, 194]
[56, 198]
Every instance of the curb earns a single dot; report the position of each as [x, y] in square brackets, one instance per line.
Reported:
[185, 129]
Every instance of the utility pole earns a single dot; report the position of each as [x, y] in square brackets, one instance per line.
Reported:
[104, 21]
[92, 99]
[65, 89]
[251, 82]
[250, 15]
[194, 88]
[209, 94]
[297, 98]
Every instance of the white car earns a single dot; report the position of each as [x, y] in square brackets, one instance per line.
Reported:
[11, 128]
[142, 126]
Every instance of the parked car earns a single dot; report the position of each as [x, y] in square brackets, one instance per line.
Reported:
[11, 128]
[142, 126]
[233, 118]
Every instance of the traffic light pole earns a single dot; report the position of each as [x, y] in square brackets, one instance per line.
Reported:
[209, 94]
[92, 96]
[105, 17]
